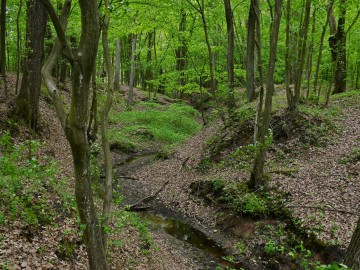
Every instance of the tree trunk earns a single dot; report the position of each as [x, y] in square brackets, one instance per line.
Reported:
[117, 65]
[289, 94]
[132, 71]
[148, 71]
[321, 46]
[302, 51]
[310, 56]
[260, 70]
[104, 112]
[27, 104]
[230, 54]
[3, 44]
[352, 258]
[74, 123]
[340, 52]
[210, 52]
[250, 55]
[18, 48]
[181, 52]
[257, 179]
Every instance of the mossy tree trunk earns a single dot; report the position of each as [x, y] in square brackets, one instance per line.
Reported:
[104, 112]
[75, 121]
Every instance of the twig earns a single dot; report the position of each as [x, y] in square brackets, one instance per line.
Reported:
[135, 206]
[323, 208]
[128, 177]
[183, 164]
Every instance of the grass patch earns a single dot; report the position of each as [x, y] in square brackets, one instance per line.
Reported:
[150, 123]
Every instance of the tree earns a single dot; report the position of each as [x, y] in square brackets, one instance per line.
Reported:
[200, 7]
[2, 43]
[27, 103]
[352, 259]
[182, 50]
[132, 71]
[104, 112]
[250, 52]
[337, 43]
[257, 179]
[117, 65]
[74, 121]
[230, 52]
[301, 57]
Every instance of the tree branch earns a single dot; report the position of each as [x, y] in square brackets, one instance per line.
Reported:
[58, 24]
[51, 61]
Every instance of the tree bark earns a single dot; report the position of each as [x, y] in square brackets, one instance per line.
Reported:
[117, 65]
[27, 104]
[18, 47]
[339, 51]
[74, 122]
[3, 44]
[321, 46]
[132, 71]
[302, 52]
[181, 51]
[230, 54]
[257, 179]
[352, 258]
[250, 54]
[289, 94]
[104, 112]
[148, 71]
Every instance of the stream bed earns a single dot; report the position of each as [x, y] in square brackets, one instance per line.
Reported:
[185, 232]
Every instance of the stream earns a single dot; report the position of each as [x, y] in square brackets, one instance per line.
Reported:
[158, 218]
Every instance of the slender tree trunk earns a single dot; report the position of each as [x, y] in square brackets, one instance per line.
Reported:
[132, 71]
[117, 65]
[148, 71]
[18, 48]
[213, 86]
[289, 94]
[230, 54]
[181, 52]
[104, 126]
[27, 104]
[302, 52]
[310, 55]
[250, 55]
[3, 44]
[352, 258]
[321, 46]
[260, 70]
[257, 179]
[92, 129]
[74, 122]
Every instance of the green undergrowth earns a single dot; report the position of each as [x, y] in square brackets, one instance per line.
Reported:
[233, 145]
[281, 239]
[150, 123]
[31, 191]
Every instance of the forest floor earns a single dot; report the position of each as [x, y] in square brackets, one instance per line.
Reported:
[323, 188]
